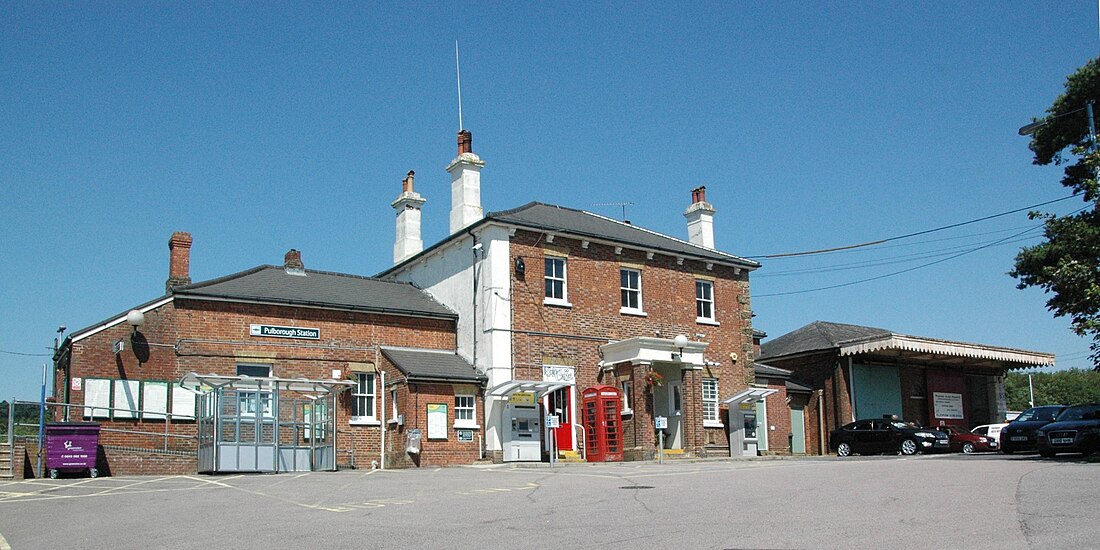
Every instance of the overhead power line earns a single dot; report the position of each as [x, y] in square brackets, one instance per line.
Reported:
[914, 268]
[26, 354]
[906, 236]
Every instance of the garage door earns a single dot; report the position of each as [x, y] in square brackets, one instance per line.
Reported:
[876, 391]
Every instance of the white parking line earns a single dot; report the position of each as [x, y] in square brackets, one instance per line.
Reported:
[4, 544]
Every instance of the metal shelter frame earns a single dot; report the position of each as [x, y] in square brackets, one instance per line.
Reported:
[265, 424]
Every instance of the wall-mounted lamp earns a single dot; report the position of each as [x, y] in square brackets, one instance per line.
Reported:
[521, 267]
[680, 341]
[135, 319]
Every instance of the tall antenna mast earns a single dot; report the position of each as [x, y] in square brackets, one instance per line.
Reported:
[458, 75]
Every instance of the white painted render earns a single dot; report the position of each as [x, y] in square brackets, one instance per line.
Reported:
[465, 190]
[409, 241]
[700, 220]
[447, 274]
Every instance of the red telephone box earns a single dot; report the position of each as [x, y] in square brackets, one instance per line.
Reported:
[603, 433]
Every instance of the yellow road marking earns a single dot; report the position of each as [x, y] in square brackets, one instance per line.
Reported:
[4, 544]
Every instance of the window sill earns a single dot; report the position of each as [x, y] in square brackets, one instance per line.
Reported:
[631, 311]
[712, 424]
[458, 426]
[705, 321]
[556, 303]
[364, 422]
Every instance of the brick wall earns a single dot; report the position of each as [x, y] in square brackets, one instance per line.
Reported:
[212, 338]
[412, 402]
[572, 335]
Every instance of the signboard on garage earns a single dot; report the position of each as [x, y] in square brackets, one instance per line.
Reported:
[948, 405]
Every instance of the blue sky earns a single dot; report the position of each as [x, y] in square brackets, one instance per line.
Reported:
[261, 127]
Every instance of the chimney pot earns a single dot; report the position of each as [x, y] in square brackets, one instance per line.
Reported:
[179, 260]
[465, 142]
[293, 260]
[407, 183]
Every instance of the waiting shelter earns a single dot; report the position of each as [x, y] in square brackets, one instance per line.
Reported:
[265, 424]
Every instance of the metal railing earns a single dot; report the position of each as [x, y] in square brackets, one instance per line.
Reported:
[33, 432]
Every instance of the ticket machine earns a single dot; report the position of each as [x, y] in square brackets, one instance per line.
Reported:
[522, 433]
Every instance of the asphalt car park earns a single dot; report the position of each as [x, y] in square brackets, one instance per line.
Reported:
[812, 502]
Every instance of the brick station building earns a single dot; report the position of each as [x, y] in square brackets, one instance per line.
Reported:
[311, 370]
[553, 300]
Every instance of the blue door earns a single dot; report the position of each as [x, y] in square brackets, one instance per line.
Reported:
[876, 391]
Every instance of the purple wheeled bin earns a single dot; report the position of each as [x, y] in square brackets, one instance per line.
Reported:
[72, 447]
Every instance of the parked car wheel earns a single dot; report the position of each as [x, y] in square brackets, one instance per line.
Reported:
[843, 449]
[1006, 451]
[908, 447]
[968, 447]
[1047, 454]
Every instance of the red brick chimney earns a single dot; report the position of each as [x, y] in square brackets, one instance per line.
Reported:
[293, 260]
[465, 142]
[179, 260]
[407, 183]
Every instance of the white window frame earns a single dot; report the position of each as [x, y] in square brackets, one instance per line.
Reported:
[371, 391]
[393, 407]
[247, 400]
[705, 300]
[470, 422]
[626, 290]
[625, 387]
[563, 300]
[711, 417]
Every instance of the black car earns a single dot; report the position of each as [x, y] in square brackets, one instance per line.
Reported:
[1019, 435]
[1076, 430]
[886, 436]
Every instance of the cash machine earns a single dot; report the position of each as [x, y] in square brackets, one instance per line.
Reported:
[522, 429]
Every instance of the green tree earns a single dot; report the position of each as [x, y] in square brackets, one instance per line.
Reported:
[1067, 263]
[1067, 387]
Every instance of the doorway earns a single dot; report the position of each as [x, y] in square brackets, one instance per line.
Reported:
[674, 438]
[559, 403]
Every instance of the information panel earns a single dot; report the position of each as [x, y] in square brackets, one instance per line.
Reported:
[437, 421]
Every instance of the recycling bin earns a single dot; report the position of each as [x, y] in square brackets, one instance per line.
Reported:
[72, 447]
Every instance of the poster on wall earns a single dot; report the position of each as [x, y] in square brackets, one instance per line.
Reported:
[947, 405]
[437, 421]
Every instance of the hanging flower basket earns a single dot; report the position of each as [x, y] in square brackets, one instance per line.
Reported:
[653, 378]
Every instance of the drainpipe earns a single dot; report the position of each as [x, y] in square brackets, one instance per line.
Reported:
[821, 421]
[473, 275]
[382, 449]
[851, 391]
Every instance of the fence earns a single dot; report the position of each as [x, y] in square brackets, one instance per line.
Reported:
[31, 433]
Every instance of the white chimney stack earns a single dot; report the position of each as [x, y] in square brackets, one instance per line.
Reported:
[465, 172]
[409, 241]
[700, 218]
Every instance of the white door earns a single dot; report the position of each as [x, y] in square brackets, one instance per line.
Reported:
[674, 439]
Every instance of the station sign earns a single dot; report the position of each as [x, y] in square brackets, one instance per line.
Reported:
[284, 332]
[661, 422]
[553, 421]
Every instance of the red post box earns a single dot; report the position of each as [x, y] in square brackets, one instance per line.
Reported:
[603, 433]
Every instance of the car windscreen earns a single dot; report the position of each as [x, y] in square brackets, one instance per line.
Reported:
[1083, 412]
[1038, 413]
[904, 425]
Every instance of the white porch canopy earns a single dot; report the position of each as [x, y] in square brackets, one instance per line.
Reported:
[512, 386]
[644, 350]
[750, 395]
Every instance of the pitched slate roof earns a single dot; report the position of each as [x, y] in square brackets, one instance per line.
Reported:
[579, 224]
[816, 336]
[306, 287]
[852, 340]
[423, 365]
[548, 217]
